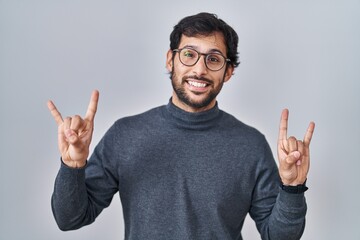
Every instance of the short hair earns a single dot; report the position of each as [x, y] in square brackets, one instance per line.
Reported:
[204, 24]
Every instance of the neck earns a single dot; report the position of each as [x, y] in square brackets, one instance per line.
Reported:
[192, 120]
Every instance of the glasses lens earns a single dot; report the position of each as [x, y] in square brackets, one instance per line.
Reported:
[188, 56]
[215, 61]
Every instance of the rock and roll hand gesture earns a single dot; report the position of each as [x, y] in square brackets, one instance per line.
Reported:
[75, 133]
[293, 154]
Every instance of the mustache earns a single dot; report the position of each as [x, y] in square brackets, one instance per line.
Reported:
[185, 78]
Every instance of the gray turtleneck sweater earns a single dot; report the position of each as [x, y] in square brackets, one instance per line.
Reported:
[181, 175]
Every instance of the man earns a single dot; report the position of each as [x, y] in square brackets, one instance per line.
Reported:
[185, 170]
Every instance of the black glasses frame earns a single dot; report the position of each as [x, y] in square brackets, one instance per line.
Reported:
[206, 55]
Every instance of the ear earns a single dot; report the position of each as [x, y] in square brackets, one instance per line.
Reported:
[169, 61]
[228, 72]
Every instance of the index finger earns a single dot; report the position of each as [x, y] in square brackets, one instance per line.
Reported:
[55, 113]
[283, 125]
[92, 108]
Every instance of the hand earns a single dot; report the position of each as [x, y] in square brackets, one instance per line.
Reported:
[293, 154]
[75, 133]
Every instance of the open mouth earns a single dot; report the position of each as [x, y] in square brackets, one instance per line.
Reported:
[197, 87]
[197, 84]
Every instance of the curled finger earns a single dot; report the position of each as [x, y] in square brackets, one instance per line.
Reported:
[76, 123]
[292, 144]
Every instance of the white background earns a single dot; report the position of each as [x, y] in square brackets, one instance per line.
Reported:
[304, 55]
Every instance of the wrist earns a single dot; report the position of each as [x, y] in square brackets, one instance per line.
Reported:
[74, 164]
[300, 188]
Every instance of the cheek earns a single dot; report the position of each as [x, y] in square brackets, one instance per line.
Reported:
[180, 69]
[220, 78]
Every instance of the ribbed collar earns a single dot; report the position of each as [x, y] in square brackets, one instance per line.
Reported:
[197, 121]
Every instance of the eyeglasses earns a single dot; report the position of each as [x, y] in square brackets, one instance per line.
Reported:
[213, 61]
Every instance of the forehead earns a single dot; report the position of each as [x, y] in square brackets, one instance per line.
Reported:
[213, 42]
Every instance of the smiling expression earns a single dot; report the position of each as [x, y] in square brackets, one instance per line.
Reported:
[196, 87]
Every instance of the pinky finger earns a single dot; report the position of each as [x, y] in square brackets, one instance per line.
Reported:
[309, 133]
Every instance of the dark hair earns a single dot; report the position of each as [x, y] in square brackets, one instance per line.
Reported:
[204, 24]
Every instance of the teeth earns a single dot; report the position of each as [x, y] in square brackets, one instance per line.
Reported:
[197, 84]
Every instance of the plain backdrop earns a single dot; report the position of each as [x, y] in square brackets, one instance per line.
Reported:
[303, 55]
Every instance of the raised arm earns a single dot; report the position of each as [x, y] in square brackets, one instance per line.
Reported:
[286, 219]
[75, 133]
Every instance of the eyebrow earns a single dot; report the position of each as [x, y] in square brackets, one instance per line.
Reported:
[213, 50]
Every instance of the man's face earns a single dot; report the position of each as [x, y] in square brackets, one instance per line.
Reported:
[196, 87]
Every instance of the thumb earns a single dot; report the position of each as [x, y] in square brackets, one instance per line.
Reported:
[291, 159]
[72, 138]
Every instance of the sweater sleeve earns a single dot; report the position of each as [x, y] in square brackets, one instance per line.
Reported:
[69, 200]
[81, 194]
[277, 214]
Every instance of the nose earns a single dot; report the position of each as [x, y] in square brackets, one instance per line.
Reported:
[200, 68]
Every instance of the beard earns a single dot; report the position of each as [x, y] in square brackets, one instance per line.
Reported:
[179, 88]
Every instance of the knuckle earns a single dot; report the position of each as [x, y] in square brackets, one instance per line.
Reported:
[67, 121]
[76, 117]
[292, 138]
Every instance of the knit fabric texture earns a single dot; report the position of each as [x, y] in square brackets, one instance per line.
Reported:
[181, 175]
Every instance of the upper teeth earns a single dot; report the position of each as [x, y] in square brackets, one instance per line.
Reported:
[197, 84]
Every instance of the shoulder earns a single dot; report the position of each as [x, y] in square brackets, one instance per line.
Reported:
[241, 134]
[246, 139]
[135, 126]
[235, 125]
[145, 119]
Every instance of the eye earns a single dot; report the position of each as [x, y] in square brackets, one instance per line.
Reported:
[214, 58]
[188, 53]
